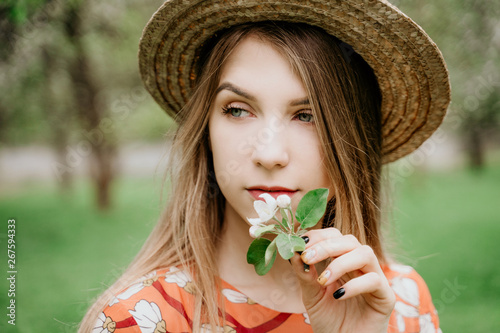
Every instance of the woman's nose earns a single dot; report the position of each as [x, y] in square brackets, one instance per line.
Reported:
[270, 150]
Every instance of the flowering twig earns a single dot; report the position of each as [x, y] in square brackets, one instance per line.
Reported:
[262, 252]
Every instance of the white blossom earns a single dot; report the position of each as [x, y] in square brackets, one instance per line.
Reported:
[252, 230]
[265, 210]
[283, 201]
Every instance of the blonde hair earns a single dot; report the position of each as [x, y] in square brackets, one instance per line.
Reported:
[345, 100]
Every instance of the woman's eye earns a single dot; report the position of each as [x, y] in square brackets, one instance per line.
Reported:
[305, 117]
[235, 112]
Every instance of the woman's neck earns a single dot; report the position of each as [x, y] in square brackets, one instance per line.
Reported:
[279, 289]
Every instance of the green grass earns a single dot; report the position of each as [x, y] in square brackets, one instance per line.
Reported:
[449, 224]
[446, 225]
[67, 252]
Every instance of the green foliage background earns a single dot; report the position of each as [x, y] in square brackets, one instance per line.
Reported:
[444, 224]
[466, 32]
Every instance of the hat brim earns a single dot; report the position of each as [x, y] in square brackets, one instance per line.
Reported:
[409, 67]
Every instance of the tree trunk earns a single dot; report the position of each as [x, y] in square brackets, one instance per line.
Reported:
[57, 117]
[90, 113]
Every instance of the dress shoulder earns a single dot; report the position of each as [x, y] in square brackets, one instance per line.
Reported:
[414, 310]
[163, 301]
[159, 299]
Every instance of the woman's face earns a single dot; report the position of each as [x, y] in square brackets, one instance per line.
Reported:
[262, 132]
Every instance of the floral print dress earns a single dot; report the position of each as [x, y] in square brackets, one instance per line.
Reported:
[163, 301]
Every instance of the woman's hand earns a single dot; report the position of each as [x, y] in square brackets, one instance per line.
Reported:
[352, 293]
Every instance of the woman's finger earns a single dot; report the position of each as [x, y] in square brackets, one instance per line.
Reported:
[312, 292]
[361, 259]
[319, 235]
[329, 248]
[369, 283]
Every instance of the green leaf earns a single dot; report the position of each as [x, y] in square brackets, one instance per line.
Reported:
[270, 252]
[312, 207]
[256, 255]
[259, 232]
[289, 244]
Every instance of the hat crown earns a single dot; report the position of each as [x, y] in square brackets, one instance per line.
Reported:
[409, 67]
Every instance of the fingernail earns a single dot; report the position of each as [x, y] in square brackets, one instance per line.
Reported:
[306, 268]
[339, 293]
[305, 238]
[324, 277]
[308, 255]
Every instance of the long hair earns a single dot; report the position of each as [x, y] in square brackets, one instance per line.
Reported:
[345, 101]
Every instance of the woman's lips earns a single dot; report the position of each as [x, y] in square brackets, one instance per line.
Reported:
[275, 192]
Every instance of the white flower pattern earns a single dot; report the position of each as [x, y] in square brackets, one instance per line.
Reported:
[306, 318]
[181, 278]
[403, 269]
[404, 310]
[236, 297]
[407, 289]
[426, 324]
[146, 280]
[148, 317]
[104, 324]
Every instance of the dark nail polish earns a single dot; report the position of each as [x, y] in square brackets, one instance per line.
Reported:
[339, 293]
[306, 268]
[306, 239]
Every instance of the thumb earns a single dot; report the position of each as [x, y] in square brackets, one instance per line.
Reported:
[312, 291]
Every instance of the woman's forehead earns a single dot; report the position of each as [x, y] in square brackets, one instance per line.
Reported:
[255, 65]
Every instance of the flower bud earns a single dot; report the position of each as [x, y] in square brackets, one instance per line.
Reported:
[252, 230]
[283, 201]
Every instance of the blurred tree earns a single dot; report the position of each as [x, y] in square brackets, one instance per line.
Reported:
[90, 113]
[68, 70]
[56, 111]
[468, 34]
[7, 36]
[484, 108]
[29, 61]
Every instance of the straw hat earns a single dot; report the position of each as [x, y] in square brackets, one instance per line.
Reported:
[409, 67]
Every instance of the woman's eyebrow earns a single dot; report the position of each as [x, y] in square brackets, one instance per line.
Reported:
[300, 101]
[238, 91]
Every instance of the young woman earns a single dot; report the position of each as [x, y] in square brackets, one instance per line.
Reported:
[280, 97]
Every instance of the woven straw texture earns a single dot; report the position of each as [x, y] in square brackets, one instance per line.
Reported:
[409, 67]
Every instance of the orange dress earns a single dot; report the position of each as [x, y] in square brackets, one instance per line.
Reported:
[163, 301]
